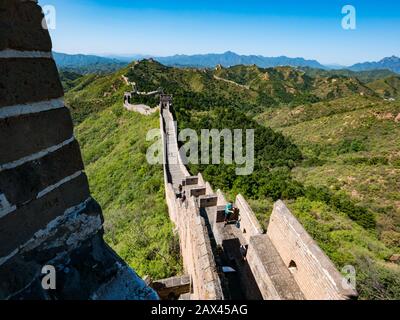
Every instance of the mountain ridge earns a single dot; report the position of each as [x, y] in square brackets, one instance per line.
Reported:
[391, 63]
[103, 64]
[229, 58]
[81, 63]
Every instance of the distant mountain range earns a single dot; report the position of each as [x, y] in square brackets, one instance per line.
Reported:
[92, 63]
[82, 64]
[229, 59]
[391, 63]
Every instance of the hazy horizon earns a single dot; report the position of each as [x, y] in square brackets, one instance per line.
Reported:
[144, 56]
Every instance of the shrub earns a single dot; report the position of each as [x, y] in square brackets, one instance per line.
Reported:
[348, 146]
[343, 203]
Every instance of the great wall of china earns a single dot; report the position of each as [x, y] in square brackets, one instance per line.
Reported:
[282, 263]
[48, 218]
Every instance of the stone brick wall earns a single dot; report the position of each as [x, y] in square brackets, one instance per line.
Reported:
[206, 184]
[248, 221]
[196, 251]
[313, 271]
[195, 245]
[270, 254]
[47, 216]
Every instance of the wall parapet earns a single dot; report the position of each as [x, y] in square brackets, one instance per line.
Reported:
[195, 244]
[315, 273]
[248, 221]
[196, 250]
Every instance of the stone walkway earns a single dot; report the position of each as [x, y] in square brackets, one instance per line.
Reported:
[140, 108]
[175, 171]
[232, 82]
[237, 285]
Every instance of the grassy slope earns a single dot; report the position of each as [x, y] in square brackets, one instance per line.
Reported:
[355, 141]
[388, 87]
[130, 191]
[353, 147]
[363, 76]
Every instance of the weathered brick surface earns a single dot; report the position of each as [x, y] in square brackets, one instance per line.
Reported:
[17, 272]
[23, 183]
[196, 250]
[248, 221]
[315, 274]
[21, 26]
[91, 258]
[18, 227]
[31, 133]
[28, 80]
[39, 232]
[175, 286]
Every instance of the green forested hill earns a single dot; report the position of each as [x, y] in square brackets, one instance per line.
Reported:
[388, 87]
[247, 88]
[351, 146]
[69, 79]
[130, 191]
[363, 76]
[328, 146]
[292, 86]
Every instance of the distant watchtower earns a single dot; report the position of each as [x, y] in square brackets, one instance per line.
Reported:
[127, 97]
[165, 101]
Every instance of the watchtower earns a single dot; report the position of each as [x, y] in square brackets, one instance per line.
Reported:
[127, 97]
[165, 101]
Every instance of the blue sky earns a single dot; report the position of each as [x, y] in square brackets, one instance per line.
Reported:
[308, 28]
